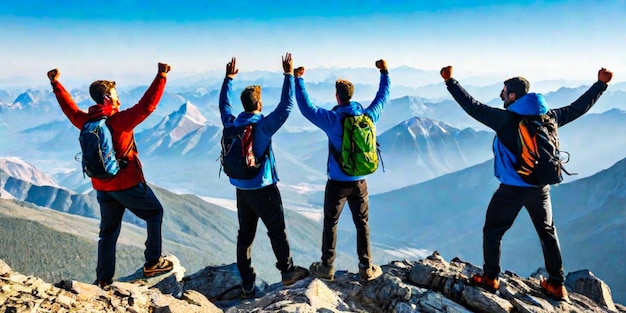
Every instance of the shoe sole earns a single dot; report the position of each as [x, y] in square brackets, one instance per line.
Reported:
[158, 272]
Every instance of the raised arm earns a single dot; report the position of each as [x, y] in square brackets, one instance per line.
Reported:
[584, 103]
[375, 109]
[277, 118]
[321, 118]
[225, 104]
[493, 118]
[133, 116]
[76, 116]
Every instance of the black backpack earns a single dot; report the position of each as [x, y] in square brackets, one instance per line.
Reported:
[237, 158]
[539, 158]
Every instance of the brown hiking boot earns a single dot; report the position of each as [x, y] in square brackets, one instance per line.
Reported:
[321, 271]
[554, 290]
[157, 267]
[295, 274]
[490, 284]
[369, 273]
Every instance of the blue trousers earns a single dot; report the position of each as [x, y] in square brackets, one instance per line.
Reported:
[142, 202]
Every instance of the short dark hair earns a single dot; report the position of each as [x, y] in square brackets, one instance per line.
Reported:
[518, 85]
[345, 89]
[250, 97]
[101, 88]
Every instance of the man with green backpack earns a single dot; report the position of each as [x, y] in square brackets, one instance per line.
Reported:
[352, 156]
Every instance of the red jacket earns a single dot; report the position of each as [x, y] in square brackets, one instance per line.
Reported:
[121, 125]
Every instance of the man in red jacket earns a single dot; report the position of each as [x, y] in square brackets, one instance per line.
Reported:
[127, 189]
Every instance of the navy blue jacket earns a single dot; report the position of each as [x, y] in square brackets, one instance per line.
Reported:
[266, 126]
[504, 122]
[330, 120]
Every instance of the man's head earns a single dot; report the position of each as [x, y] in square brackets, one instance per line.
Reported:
[102, 91]
[514, 88]
[345, 89]
[251, 98]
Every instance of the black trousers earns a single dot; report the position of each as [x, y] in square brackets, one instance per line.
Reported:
[264, 203]
[337, 193]
[505, 204]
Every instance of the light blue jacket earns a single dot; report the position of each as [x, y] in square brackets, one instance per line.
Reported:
[266, 126]
[330, 121]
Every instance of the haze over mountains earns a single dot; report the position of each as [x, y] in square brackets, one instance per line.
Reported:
[432, 195]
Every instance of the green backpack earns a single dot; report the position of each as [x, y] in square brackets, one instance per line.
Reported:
[359, 148]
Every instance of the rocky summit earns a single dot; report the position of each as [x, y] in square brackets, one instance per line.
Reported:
[429, 285]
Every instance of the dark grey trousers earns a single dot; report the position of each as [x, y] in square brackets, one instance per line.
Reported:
[337, 193]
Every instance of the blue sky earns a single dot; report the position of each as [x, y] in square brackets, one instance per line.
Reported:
[124, 40]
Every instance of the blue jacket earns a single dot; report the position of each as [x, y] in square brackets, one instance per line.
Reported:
[330, 120]
[505, 122]
[266, 126]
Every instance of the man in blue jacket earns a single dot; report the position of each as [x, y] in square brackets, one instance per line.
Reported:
[259, 197]
[514, 192]
[341, 187]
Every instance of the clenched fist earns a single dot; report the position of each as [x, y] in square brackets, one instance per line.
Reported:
[54, 74]
[446, 72]
[164, 68]
[605, 75]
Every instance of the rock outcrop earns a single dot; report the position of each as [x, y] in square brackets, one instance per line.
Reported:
[431, 285]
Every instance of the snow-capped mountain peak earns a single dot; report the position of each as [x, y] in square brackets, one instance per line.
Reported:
[192, 112]
[18, 168]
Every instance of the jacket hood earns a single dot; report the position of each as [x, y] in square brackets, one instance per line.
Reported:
[245, 118]
[529, 104]
[354, 108]
[101, 110]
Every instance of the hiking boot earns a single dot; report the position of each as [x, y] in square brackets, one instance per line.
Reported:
[490, 284]
[294, 274]
[102, 282]
[247, 290]
[157, 267]
[553, 290]
[369, 273]
[321, 271]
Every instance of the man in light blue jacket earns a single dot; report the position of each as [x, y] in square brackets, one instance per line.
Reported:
[341, 187]
[259, 197]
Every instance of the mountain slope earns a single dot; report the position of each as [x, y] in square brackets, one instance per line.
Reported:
[447, 213]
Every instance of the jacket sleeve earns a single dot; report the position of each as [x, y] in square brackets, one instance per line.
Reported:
[579, 107]
[321, 118]
[225, 104]
[375, 109]
[273, 121]
[491, 117]
[133, 116]
[76, 116]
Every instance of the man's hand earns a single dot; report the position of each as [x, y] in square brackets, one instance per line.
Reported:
[381, 65]
[231, 68]
[605, 75]
[53, 75]
[287, 64]
[164, 68]
[298, 71]
[446, 72]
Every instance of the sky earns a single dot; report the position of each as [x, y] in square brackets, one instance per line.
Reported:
[124, 40]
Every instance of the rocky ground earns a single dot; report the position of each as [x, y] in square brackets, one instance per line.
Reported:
[429, 285]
